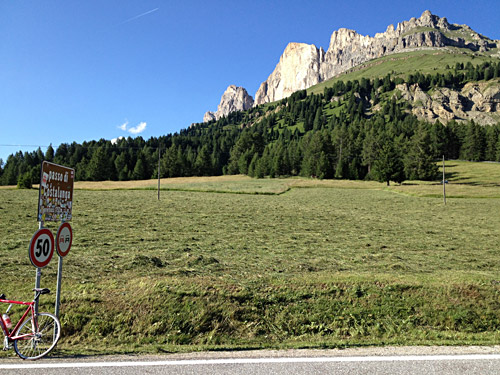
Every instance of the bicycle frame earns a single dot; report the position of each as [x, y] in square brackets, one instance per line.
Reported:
[29, 309]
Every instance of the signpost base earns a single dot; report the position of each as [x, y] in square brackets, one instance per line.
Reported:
[59, 280]
[37, 286]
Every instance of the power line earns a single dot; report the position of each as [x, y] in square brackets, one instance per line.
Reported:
[89, 147]
[1, 145]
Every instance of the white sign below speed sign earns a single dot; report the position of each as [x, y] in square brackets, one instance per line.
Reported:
[41, 248]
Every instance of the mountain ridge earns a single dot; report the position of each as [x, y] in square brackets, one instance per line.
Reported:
[348, 49]
[304, 65]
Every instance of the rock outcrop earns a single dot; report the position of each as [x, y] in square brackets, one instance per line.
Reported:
[233, 99]
[303, 65]
[478, 101]
[298, 69]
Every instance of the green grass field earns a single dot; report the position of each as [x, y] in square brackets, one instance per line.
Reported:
[282, 263]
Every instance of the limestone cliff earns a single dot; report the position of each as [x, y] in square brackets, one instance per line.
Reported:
[233, 99]
[298, 69]
[478, 101]
[303, 65]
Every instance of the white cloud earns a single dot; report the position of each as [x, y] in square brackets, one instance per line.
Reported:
[115, 140]
[133, 130]
[137, 129]
[123, 126]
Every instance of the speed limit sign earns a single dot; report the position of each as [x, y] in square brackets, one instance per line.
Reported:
[41, 247]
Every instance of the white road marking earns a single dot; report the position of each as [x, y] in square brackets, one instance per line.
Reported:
[244, 361]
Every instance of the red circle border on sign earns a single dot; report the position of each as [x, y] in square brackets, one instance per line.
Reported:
[37, 234]
[61, 227]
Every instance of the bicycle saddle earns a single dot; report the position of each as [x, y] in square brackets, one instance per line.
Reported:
[42, 290]
[2, 296]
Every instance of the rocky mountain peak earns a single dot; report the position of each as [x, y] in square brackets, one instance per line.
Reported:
[303, 65]
[233, 99]
[427, 19]
[297, 69]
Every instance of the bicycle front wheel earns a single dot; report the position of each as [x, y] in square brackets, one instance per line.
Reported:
[40, 339]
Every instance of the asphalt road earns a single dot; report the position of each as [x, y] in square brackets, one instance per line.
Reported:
[413, 360]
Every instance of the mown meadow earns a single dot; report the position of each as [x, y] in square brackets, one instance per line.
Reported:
[235, 263]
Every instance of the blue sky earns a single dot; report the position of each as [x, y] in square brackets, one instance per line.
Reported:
[89, 69]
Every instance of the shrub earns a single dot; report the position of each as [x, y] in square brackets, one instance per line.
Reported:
[24, 181]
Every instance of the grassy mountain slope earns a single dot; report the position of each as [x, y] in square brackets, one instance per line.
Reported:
[429, 61]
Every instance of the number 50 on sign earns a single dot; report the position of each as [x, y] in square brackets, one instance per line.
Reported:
[41, 248]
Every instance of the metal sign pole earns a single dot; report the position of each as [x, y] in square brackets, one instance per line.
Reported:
[64, 240]
[58, 293]
[59, 281]
[38, 274]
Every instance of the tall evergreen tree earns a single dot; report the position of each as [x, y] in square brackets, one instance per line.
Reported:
[49, 154]
[473, 146]
[318, 153]
[318, 119]
[263, 165]
[370, 149]
[389, 164]
[98, 168]
[294, 157]
[242, 152]
[139, 172]
[497, 158]
[418, 162]
[253, 166]
[203, 164]
[121, 167]
[492, 134]
[61, 156]
[280, 164]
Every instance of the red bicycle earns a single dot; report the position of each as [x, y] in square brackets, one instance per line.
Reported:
[35, 334]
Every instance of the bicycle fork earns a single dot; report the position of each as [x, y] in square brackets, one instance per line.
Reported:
[35, 329]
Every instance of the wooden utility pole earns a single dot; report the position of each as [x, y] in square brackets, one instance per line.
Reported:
[159, 152]
[444, 184]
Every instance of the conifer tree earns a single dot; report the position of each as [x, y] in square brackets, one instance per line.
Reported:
[418, 162]
[121, 167]
[492, 134]
[203, 164]
[49, 154]
[139, 170]
[370, 149]
[497, 158]
[253, 165]
[318, 123]
[389, 165]
[474, 143]
[98, 167]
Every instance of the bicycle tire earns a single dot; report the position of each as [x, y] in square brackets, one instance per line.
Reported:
[40, 343]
